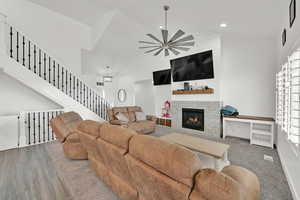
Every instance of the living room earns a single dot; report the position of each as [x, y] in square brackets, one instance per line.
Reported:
[149, 100]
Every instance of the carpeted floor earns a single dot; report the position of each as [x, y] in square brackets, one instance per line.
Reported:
[83, 184]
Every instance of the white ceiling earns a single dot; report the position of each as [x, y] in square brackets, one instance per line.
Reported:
[255, 17]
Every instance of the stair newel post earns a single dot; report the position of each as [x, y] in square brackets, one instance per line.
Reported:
[4, 33]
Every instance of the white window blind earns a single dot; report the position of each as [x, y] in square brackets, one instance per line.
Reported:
[288, 98]
[294, 125]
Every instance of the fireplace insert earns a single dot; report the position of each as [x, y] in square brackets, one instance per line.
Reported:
[193, 119]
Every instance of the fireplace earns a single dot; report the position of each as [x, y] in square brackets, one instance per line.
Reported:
[193, 119]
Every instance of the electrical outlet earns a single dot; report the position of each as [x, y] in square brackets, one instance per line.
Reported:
[268, 158]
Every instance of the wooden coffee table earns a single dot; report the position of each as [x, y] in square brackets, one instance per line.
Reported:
[218, 151]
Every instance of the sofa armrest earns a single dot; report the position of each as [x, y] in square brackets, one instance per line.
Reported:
[232, 183]
[151, 118]
[247, 179]
[119, 122]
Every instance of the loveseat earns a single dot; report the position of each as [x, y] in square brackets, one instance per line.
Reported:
[145, 126]
[64, 126]
[140, 167]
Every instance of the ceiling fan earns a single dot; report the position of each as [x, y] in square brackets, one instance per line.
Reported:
[175, 44]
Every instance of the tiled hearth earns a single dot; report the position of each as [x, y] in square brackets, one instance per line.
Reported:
[212, 125]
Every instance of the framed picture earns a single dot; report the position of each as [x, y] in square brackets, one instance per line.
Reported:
[283, 37]
[292, 12]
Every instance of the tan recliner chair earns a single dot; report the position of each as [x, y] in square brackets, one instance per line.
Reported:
[141, 127]
[64, 127]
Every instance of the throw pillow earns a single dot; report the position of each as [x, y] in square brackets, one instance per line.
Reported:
[121, 117]
[140, 116]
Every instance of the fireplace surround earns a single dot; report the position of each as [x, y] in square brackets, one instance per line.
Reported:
[193, 119]
[212, 119]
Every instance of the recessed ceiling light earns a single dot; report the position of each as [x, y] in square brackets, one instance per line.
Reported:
[161, 27]
[223, 25]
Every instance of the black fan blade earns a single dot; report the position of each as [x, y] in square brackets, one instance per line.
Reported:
[183, 44]
[181, 48]
[185, 39]
[174, 51]
[148, 47]
[165, 35]
[177, 35]
[153, 50]
[158, 52]
[144, 42]
[154, 38]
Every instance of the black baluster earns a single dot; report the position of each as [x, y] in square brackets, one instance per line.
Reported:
[17, 46]
[90, 99]
[48, 125]
[34, 128]
[84, 95]
[39, 121]
[93, 101]
[54, 73]
[34, 61]
[29, 55]
[77, 88]
[52, 134]
[40, 63]
[70, 91]
[11, 42]
[66, 81]
[23, 44]
[97, 104]
[58, 76]
[29, 133]
[80, 92]
[74, 97]
[49, 69]
[62, 79]
[44, 127]
[45, 64]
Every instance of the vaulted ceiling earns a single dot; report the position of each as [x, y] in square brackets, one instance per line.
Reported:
[127, 21]
[255, 17]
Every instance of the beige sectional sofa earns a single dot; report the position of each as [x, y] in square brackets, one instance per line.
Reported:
[139, 167]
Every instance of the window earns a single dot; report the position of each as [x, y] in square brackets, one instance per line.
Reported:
[288, 98]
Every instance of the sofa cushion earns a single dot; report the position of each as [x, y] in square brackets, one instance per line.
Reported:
[116, 135]
[132, 117]
[140, 116]
[90, 127]
[176, 162]
[134, 109]
[122, 117]
[142, 127]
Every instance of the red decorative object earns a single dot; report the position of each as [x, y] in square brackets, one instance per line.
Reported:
[166, 109]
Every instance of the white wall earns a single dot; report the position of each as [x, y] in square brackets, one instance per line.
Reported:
[162, 93]
[289, 158]
[60, 36]
[144, 96]
[248, 75]
[15, 97]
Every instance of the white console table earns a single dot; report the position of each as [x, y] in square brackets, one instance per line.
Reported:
[260, 130]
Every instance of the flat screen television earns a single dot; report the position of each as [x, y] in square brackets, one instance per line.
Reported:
[162, 77]
[193, 67]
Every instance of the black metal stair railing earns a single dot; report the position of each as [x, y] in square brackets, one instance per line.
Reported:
[32, 57]
[37, 126]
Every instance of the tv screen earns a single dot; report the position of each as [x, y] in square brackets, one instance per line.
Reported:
[162, 77]
[193, 67]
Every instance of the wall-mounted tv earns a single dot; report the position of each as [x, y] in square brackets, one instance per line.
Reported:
[162, 77]
[193, 67]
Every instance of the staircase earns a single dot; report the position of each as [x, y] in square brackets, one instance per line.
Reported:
[22, 59]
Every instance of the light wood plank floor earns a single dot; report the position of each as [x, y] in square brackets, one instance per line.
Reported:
[28, 174]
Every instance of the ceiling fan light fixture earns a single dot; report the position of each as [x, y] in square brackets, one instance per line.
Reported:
[167, 44]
